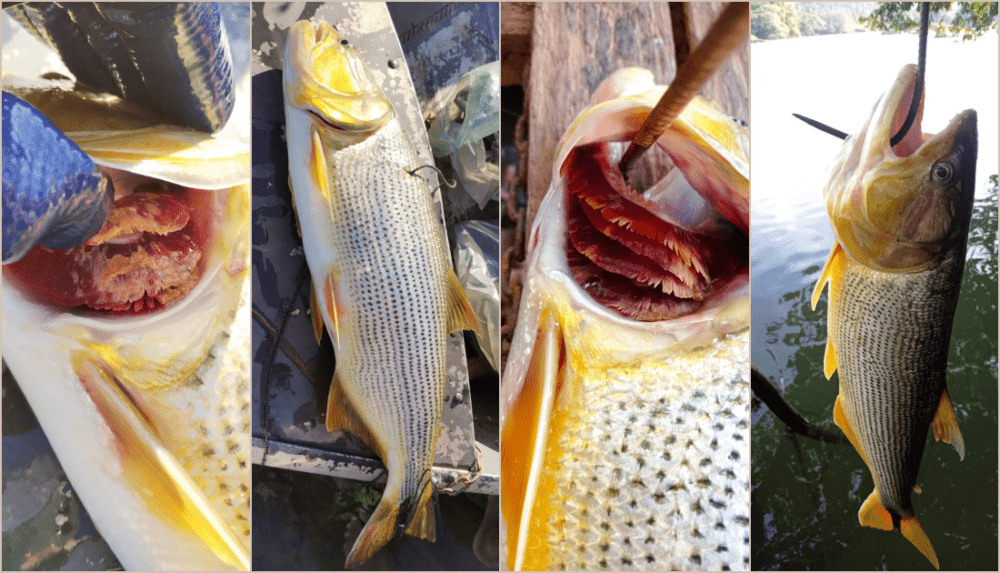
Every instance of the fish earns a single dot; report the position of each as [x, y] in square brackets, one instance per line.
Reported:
[625, 396]
[382, 281]
[901, 215]
[145, 401]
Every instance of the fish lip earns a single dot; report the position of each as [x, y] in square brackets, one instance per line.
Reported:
[340, 90]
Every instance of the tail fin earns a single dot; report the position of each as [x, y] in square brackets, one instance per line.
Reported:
[874, 514]
[377, 532]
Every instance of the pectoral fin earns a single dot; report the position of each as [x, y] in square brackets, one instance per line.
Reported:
[831, 273]
[946, 425]
[317, 314]
[154, 473]
[524, 441]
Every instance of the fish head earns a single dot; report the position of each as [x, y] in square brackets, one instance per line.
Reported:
[898, 208]
[123, 395]
[587, 310]
[325, 76]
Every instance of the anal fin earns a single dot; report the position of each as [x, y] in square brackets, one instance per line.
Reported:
[460, 313]
[946, 425]
[341, 415]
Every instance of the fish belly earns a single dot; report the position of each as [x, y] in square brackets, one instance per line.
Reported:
[647, 467]
[892, 332]
[387, 256]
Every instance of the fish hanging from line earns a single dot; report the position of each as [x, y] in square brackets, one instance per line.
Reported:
[901, 215]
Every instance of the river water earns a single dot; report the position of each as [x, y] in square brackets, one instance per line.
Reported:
[805, 493]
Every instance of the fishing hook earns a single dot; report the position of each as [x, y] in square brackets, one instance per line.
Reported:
[451, 183]
[918, 88]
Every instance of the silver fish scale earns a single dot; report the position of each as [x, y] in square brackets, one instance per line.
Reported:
[391, 254]
[892, 352]
[654, 474]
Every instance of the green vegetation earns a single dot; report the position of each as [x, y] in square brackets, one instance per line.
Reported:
[775, 20]
[969, 20]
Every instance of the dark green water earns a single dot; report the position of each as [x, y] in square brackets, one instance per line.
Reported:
[806, 493]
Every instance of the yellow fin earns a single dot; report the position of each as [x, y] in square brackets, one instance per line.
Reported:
[829, 358]
[524, 439]
[916, 488]
[422, 522]
[154, 473]
[376, 533]
[874, 514]
[341, 415]
[911, 530]
[840, 418]
[317, 164]
[946, 425]
[831, 273]
[330, 292]
[317, 314]
[460, 314]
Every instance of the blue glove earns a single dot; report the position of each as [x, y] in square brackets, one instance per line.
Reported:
[53, 194]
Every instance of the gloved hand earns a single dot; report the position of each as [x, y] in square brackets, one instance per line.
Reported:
[172, 58]
[53, 194]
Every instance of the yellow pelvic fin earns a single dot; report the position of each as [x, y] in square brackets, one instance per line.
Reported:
[911, 530]
[874, 514]
[341, 415]
[376, 533]
[840, 418]
[946, 425]
[154, 473]
[831, 273]
[422, 522]
[317, 314]
[523, 442]
[460, 314]
[332, 306]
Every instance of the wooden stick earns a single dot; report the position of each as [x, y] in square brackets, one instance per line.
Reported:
[726, 35]
[765, 390]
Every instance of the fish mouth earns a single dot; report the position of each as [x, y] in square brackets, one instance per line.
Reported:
[325, 75]
[650, 256]
[897, 208]
[153, 250]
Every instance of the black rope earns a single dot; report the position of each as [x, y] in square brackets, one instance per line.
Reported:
[918, 89]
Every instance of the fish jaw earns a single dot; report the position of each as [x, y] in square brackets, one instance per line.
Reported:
[325, 75]
[570, 354]
[898, 208]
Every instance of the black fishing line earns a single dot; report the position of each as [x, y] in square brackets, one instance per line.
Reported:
[918, 89]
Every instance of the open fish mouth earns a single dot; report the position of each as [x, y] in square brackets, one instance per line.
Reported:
[149, 254]
[896, 208]
[648, 257]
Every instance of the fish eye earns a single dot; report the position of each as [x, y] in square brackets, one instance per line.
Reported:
[941, 172]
